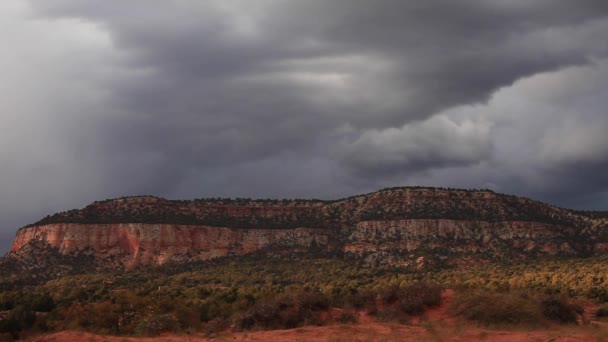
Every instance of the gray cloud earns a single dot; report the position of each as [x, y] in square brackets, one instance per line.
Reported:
[548, 138]
[298, 99]
[436, 142]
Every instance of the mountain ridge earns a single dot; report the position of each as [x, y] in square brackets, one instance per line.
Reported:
[74, 215]
[403, 226]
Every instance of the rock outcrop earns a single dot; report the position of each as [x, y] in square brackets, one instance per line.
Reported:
[398, 226]
[153, 244]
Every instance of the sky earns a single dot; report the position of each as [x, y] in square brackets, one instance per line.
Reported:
[308, 99]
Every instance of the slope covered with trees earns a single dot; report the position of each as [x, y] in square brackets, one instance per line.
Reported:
[386, 204]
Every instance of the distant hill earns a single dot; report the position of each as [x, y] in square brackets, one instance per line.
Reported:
[414, 227]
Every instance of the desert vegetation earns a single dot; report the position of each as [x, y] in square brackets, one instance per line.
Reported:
[253, 293]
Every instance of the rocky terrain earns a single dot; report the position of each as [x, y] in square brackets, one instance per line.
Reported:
[415, 227]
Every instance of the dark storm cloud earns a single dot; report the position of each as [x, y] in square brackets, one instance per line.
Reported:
[424, 56]
[309, 98]
[445, 53]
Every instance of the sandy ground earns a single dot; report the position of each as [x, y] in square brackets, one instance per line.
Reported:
[435, 325]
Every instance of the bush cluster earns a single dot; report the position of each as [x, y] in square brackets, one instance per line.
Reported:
[514, 308]
[285, 312]
[398, 303]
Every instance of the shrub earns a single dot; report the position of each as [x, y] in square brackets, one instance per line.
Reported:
[497, 308]
[43, 303]
[430, 293]
[411, 304]
[415, 298]
[364, 300]
[285, 312]
[397, 303]
[558, 309]
[347, 318]
[602, 311]
[187, 317]
[392, 314]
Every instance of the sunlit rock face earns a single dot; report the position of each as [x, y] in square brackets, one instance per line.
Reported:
[153, 244]
[393, 227]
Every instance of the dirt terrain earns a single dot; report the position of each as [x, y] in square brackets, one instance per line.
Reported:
[435, 325]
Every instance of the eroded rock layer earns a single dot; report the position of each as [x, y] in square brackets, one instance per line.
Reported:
[402, 226]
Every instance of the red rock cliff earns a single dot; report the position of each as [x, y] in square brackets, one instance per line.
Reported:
[394, 225]
[149, 244]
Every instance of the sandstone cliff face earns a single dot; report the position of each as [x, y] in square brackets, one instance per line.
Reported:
[395, 226]
[153, 244]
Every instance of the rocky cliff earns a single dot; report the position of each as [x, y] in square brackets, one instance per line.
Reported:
[398, 226]
[137, 244]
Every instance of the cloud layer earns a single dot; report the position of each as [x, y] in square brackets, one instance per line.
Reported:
[279, 98]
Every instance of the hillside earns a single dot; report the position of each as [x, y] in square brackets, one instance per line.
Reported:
[407, 227]
[386, 204]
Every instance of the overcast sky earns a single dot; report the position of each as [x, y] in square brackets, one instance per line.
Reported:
[289, 98]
